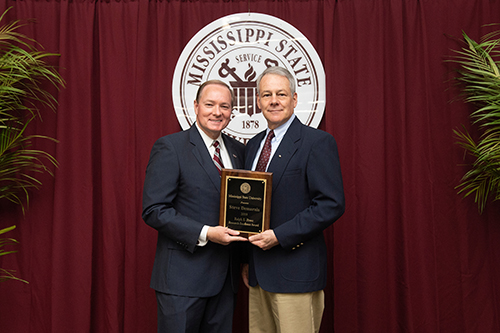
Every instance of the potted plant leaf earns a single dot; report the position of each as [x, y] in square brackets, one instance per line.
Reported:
[24, 73]
[480, 74]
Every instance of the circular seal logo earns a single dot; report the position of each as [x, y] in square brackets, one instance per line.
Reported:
[236, 49]
[245, 188]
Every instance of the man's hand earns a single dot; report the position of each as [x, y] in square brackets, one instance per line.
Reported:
[264, 240]
[244, 275]
[224, 236]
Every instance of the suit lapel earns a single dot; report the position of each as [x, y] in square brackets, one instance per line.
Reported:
[285, 151]
[252, 150]
[236, 160]
[202, 155]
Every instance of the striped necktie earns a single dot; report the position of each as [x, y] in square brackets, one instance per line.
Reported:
[217, 159]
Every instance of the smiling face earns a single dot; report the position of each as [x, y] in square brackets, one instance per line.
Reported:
[213, 109]
[276, 100]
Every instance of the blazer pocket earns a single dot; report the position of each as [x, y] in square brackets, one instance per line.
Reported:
[301, 264]
[292, 172]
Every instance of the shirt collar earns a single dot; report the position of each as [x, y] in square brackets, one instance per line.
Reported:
[207, 140]
[279, 132]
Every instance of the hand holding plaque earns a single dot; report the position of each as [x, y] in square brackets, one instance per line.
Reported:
[245, 203]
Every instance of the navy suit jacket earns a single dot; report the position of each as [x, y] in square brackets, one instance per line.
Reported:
[181, 194]
[307, 197]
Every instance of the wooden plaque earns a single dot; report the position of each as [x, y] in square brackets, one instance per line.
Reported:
[245, 200]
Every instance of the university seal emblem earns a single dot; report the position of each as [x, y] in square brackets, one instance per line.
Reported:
[236, 49]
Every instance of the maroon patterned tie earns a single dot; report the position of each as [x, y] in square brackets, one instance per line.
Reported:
[266, 152]
[217, 159]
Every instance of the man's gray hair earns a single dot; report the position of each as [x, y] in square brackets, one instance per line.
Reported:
[277, 70]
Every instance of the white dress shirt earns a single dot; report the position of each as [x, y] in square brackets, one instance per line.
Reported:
[279, 133]
[226, 161]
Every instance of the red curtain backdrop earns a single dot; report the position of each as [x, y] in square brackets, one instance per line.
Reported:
[409, 254]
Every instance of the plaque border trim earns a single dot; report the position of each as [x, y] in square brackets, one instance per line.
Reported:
[252, 175]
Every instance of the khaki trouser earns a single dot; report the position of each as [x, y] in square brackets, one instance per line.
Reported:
[285, 313]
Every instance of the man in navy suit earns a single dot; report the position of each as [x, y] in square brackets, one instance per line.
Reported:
[288, 263]
[195, 271]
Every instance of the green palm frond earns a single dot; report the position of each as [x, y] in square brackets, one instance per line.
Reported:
[7, 274]
[480, 74]
[23, 75]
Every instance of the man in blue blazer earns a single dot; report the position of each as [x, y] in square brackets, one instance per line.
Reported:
[288, 262]
[195, 271]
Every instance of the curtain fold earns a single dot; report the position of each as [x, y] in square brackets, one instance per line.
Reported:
[409, 254]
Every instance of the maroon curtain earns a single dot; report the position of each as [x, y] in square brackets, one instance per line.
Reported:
[409, 255]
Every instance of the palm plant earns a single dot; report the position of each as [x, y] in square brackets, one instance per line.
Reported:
[23, 72]
[480, 74]
[7, 274]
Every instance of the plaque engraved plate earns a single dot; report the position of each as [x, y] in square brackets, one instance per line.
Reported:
[245, 203]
